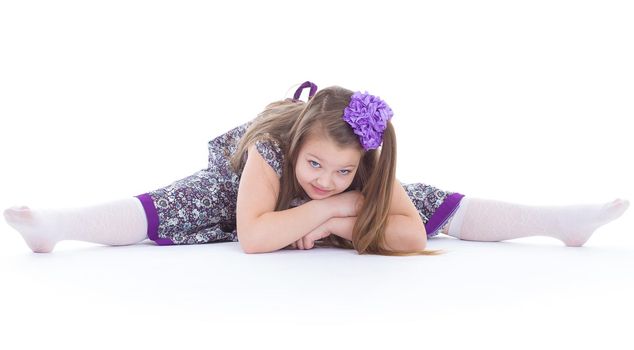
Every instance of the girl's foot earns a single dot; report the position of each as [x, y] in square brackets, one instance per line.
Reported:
[577, 227]
[38, 231]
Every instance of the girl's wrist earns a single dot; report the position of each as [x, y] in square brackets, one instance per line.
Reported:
[341, 226]
[329, 206]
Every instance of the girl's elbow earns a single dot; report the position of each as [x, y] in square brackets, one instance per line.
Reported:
[421, 245]
[420, 239]
[245, 243]
[247, 250]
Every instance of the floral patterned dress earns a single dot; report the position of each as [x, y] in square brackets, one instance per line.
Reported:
[201, 208]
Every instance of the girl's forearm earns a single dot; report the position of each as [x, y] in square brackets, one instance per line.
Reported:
[401, 233]
[276, 230]
[342, 227]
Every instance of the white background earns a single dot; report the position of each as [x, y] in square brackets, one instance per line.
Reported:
[527, 102]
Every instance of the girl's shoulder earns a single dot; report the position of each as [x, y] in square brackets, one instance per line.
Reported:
[271, 150]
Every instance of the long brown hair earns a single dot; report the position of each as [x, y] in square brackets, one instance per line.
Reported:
[290, 122]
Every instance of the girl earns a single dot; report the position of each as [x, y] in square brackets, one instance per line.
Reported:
[305, 174]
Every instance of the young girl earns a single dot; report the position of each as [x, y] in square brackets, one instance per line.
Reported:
[305, 174]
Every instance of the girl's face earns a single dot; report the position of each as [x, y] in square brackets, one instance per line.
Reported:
[321, 165]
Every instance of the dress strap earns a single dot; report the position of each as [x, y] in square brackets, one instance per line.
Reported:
[313, 90]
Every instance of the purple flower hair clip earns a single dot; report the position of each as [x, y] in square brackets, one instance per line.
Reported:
[367, 115]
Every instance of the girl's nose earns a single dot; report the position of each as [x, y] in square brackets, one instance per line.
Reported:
[324, 184]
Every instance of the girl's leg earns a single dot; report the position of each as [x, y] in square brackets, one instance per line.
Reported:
[435, 206]
[197, 209]
[119, 222]
[490, 220]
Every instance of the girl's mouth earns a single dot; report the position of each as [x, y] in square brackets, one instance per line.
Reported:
[318, 191]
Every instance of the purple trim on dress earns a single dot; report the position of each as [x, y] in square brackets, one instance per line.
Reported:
[152, 220]
[443, 213]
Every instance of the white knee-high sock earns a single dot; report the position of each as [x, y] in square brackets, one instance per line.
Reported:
[119, 222]
[480, 219]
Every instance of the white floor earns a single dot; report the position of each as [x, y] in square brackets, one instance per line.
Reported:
[522, 293]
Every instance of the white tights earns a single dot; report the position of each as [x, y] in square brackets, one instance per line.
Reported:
[123, 222]
[118, 222]
[490, 220]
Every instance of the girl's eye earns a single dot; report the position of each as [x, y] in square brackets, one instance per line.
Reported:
[313, 162]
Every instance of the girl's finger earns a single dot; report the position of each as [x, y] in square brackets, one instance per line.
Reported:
[300, 244]
[307, 242]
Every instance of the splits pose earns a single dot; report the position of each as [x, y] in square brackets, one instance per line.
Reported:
[305, 174]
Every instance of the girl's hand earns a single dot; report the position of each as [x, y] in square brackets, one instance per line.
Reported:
[308, 241]
[347, 203]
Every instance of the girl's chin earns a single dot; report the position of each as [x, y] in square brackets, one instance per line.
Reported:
[316, 196]
[313, 194]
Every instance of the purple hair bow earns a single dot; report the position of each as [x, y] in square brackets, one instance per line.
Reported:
[368, 116]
